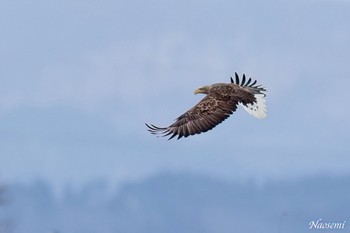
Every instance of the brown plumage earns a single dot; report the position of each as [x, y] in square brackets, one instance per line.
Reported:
[220, 102]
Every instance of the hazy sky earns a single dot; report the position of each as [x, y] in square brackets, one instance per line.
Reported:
[80, 78]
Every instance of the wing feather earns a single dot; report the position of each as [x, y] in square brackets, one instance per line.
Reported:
[204, 116]
[243, 80]
[256, 89]
[237, 78]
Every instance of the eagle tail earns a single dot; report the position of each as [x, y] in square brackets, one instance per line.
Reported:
[258, 109]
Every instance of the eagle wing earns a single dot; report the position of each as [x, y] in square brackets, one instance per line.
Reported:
[213, 109]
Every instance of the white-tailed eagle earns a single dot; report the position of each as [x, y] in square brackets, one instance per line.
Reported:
[220, 102]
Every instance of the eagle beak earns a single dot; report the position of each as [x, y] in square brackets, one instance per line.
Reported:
[197, 91]
[202, 90]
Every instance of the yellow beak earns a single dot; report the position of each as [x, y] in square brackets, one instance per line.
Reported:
[198, 91]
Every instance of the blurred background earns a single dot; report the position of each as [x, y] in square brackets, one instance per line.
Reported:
[79, 78]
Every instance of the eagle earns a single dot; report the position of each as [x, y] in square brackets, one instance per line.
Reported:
[220, 102]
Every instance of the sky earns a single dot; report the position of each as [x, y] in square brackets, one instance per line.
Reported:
[80, 78]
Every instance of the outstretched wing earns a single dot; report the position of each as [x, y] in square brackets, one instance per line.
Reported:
[204, 116]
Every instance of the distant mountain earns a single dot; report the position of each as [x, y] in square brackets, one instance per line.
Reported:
[181, 203]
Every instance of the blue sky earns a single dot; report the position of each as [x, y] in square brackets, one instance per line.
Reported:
[80, 78]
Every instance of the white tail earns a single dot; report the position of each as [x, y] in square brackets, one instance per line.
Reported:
[258, 109]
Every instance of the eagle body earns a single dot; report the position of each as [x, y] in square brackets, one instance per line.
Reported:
[220, 102]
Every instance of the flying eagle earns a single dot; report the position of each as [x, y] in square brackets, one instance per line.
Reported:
[220, 102]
